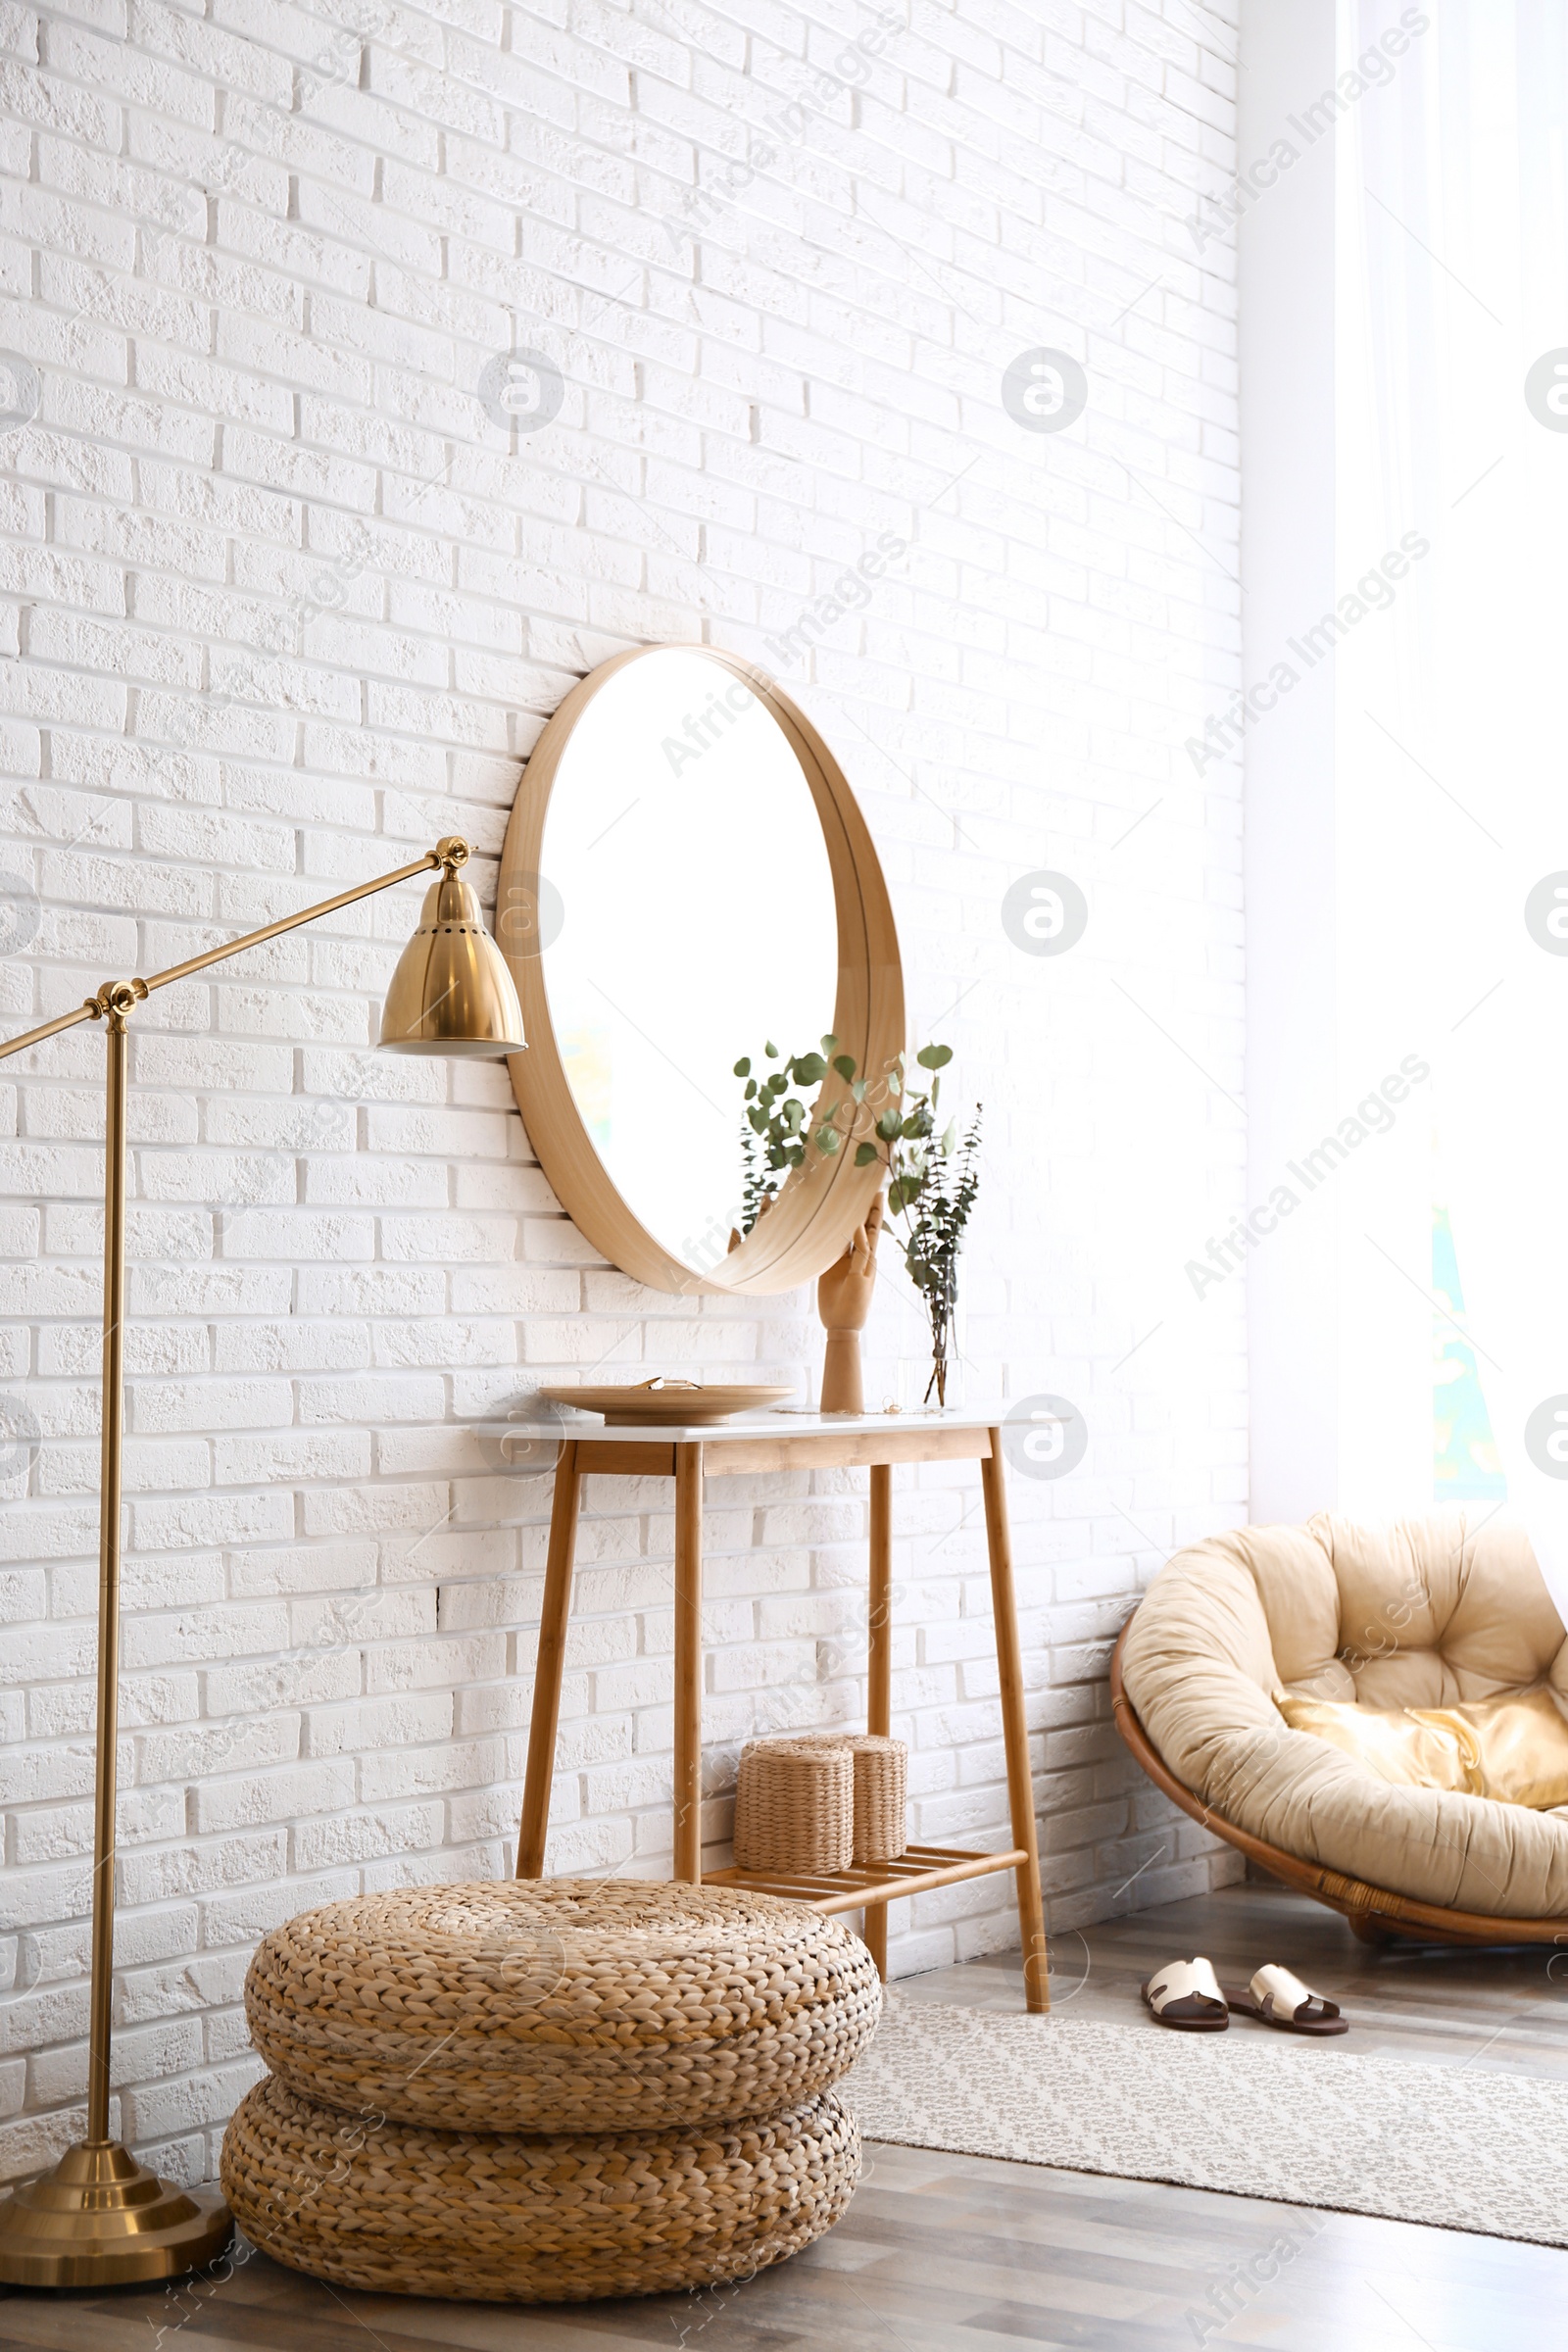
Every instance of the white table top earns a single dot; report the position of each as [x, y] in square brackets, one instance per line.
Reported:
[750, 1426]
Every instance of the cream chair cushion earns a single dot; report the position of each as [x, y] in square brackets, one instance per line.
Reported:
[1422, 1613]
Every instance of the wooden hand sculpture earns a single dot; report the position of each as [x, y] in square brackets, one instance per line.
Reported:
[844, 1303]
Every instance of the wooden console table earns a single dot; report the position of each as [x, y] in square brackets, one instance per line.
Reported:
[767, 1442]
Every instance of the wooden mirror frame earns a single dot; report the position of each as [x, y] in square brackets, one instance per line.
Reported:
[816, 1210]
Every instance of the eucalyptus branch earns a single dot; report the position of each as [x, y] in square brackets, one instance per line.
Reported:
[932, 1180]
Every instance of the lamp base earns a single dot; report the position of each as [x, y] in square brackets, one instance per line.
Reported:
[101, 2219]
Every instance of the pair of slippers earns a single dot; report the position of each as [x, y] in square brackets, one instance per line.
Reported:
[1189, 1996]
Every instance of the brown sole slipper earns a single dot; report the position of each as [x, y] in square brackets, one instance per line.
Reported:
[1198, 2019]
[1321, 2026]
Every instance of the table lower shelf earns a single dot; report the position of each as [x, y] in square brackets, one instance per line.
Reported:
[917, 1869]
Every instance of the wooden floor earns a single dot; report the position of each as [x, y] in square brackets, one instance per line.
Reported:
[939, 2253]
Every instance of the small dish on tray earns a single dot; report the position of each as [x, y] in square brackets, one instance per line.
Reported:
[667, 1402]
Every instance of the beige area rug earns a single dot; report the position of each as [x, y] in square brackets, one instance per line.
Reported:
[1256, 2114]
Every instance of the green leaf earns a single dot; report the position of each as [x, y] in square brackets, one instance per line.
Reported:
[844, 1063]
[889, 1125]
[772, 1051]
[828, 1044]
[827, 1139]
[750, 1090]
[810, 1069]
[795, 1155]
[949, 1135]
[857, 1090]
[742, 1068]
[895, 1080]
[865, 1154]
[901, 1191]
[934, 1058]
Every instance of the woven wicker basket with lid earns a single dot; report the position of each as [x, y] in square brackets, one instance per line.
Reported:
[798, 1809]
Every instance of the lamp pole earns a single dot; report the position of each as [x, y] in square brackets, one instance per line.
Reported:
[100, 2018]
[101, 2218]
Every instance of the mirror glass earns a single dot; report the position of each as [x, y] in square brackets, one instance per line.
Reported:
[687, 919]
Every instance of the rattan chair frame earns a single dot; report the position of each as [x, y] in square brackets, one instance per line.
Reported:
[1376, 1914]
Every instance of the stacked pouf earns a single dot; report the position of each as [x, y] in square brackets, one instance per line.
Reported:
[548, 2090]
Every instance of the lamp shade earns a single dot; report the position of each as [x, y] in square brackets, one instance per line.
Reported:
[452, 992]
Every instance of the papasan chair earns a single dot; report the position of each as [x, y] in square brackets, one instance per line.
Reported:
[1428, 1613]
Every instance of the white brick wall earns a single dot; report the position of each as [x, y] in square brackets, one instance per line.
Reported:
[279, 601]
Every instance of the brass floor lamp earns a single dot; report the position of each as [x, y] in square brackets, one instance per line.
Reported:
[100, 2217]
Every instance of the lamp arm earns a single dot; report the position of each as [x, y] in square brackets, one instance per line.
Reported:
[68, 1020]
[451, 853]
[310, 914]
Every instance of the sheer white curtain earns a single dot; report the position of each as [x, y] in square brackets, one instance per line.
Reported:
[1452, 771]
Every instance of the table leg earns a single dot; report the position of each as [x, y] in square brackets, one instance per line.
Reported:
[688, 1801]
[879, 1611]
[879, 1664]
[546, 1714]
[1014, 1730]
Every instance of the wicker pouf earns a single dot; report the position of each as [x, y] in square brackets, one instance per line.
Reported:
[562, 2004]
[795, 1806]
[881, 1792]
[498, 2218]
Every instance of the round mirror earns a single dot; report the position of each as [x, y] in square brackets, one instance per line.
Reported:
[687, 883]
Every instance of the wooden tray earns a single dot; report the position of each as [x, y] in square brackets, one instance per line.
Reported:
[667, 1404]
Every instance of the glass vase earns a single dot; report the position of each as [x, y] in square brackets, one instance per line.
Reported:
[945, 1368]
